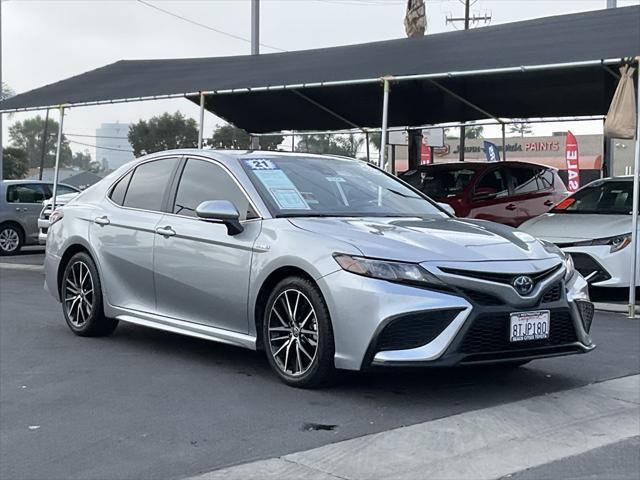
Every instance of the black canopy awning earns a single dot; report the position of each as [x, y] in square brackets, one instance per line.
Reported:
[554, 66]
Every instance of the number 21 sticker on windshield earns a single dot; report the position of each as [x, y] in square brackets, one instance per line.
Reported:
[260, 164]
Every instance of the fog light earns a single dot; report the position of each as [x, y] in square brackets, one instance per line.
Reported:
[586, 314]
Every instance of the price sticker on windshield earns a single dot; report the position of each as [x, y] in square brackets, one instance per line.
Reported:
[260, 164]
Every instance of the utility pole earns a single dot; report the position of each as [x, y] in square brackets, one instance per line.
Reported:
[255, 49]
[486, 18]
[1, 97]
[607, 147]
[612, 3]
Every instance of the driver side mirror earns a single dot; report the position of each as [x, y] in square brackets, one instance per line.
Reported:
[221, 211]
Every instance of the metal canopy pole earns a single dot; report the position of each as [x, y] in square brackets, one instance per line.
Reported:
[57, 168]
[634, 208]
[201, 127]
[385, 118]
[504, 144]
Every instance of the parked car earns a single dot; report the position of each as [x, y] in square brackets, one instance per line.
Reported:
[322, 262]
[504, 192]
[20, 206]
[45, 213]
[594, 226]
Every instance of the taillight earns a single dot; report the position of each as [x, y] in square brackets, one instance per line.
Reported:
[56, 216]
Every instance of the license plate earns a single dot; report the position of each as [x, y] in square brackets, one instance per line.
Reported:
[526, 326]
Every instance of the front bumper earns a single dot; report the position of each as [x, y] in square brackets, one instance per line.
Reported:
[602, 268]
[43, 227]
[460, 328]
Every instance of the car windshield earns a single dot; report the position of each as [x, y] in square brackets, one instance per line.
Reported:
[329, 186]
[438, 183]
[605, 197]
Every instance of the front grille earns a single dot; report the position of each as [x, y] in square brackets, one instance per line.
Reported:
[414, 329]
[500, 277]
[482, 298]
[586, 313]
[589, 268]
[553, 294]
[490, 333]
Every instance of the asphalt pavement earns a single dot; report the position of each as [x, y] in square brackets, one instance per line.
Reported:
[149, 404]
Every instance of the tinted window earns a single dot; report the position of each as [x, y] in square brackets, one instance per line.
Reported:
[545, 179]
[202, 181]
[148, 184]
[525, 180]
[439, 183]
[120, 189]
[28, 193]
[492, 185]
[63, 190]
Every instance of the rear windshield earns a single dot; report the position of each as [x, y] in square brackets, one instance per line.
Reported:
[611, 197]
[439, 183]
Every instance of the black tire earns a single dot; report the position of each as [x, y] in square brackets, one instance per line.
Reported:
[318, 372]
[83, 309]
[11, 239]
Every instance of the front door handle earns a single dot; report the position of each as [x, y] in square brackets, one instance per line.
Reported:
[102, 221]
[548, 203]
[511, 206]
[166, 231]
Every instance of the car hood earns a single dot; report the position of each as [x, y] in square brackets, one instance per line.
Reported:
[574, 227]
[62, 199]
[423, 240]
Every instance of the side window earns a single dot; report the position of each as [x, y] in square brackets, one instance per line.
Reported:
[202, 181]
[545, 179]
[149, 184]
[120, 189]
[525, 180]
[26, 193]
[492, 185]
[63, 190]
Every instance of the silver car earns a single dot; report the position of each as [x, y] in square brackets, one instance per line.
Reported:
[20, 206]
[323, 262]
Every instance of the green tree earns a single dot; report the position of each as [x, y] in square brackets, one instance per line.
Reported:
[163, 132]
[520, 127]
[233, 138]
[95, 167]
[473, 131]
[325, 143]
[14, 164]
[81, 160]
[6, 91]
[27, 136]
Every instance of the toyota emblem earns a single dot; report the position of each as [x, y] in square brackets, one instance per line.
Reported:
[523, 284]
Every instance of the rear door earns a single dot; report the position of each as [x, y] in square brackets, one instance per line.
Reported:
[488, 199]
[531, 191]
[202, 272]
[25, 202]
[123, 233]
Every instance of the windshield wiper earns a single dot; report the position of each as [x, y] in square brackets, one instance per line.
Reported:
[404, 195]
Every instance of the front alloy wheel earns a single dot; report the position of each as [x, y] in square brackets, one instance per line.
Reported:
[298, 335]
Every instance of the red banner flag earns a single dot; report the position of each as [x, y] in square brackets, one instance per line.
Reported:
[573, 163]
[425, 155]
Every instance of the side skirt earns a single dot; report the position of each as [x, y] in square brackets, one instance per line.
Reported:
[188, 328]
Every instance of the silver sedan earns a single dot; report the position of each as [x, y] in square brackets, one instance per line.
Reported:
[323, 262]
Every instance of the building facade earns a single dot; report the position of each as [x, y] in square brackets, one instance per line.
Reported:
[112, 147]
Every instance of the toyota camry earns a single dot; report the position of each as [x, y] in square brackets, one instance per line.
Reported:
[321, 262]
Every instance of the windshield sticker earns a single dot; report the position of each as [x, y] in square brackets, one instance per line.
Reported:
[282, 189]
[260, 164]
[289, 199]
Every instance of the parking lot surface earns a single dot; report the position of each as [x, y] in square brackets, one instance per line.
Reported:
[149, 404]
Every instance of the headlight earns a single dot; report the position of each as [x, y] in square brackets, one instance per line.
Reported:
[386, 270]
[569, 267]
[56, 216]
[616, 243]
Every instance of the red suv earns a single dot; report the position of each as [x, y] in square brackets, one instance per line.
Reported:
[503, 192]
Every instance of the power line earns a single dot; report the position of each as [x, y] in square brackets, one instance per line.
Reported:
[202, 25]
[94, 136]
[102, 148]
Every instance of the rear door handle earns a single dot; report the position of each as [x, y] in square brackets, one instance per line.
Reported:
[166, 231]
[511, 206]
[548, 203]
[102, 221]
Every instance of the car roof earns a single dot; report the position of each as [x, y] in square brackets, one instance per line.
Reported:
[477, 165]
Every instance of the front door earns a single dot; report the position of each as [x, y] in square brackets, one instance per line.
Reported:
[489, 198]
[26, 200]
[202, 272]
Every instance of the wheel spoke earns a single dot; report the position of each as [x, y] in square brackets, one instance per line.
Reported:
[279, 329]
[286, 355]
[305, 352]
[295, 308]
[286, 297]
[309, 332]
[285, 324]
[282, 348]
[304, 322]
[298, 362]
[277, 339]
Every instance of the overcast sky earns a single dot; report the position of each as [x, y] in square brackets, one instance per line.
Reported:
[48, 40]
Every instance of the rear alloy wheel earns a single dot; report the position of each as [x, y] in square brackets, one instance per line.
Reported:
[298, 334]
[82, 299]
[10, 240]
